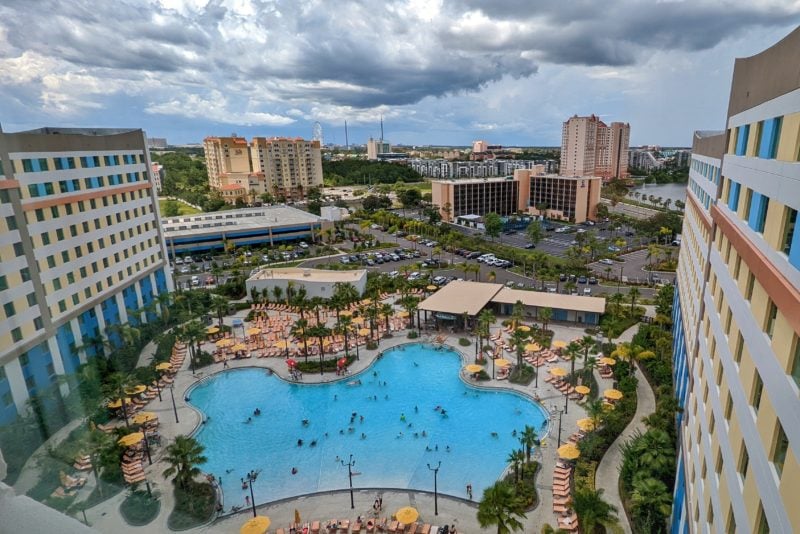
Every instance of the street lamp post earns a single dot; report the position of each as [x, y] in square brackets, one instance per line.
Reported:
[560, 413]
[619, 280]
[350, 465]
[435, 487]
[174, 408]
[251, 478]
[147, 447]
[566, 402]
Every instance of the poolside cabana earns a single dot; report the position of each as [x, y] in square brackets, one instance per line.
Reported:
[569, 308]
[458, 298]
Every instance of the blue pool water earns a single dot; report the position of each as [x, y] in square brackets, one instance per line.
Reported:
[418, 379]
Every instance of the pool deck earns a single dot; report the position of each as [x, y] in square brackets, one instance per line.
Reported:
[329, 505]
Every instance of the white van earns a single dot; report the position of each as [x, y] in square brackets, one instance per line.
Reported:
[195, 280]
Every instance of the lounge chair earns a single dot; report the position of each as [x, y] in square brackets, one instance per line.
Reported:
[315, 527]
[356, 527]
[343, 525]
[280, 531]
[393, 526]
[61, 493]
[560, 509]
[426, 528]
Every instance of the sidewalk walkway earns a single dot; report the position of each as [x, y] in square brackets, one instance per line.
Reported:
[607, 475]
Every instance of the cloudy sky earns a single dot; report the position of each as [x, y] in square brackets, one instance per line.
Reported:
[439, 71]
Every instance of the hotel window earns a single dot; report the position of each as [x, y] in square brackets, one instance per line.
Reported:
[16, 334]
[744, 461]
[3, 282]
[751, 282]
[758, 390]
[39, 215]
[772, 315]
[728, 406]
[788, 230]
[762, 526]
[794, 367]
[737, 353]
[18, 250]
[9, 309]
[57, 283]
[25, 274]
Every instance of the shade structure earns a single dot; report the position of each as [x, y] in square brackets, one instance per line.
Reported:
[613, 394]
[559, 344]
[143, 417]
[256, 525]
[402, 314]
[431, 288]
[568, 452]
[532, 347]
[212, 330]
[118, 403]
[524, 328]
[291, 363]
[341, 362]
[473, 368]
[363, 332]
[607, 361]
[502, 362]
[407, 515]
[558, 371]
[164, 366]
[135, 390]
[222, 343]
[583, 390]
[239, 346]
[131, 439]
[253, 331]
[586, 424]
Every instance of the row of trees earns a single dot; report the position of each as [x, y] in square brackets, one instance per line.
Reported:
[354, 172]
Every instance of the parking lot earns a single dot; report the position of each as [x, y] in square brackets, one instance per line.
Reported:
[631, 269]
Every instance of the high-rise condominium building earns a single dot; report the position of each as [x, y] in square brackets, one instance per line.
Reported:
[284, 167]
[736, 321]
[80, 245]
[589, 147]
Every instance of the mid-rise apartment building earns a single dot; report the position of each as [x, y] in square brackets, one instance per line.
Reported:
[589, 147]
[376, 147]
[528, 191]
[736, 321]
[80, 245]
[284, 167]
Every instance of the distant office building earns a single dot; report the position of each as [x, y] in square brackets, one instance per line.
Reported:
[528, 191]
[157, 174]
[283, 167]
[682, 158]
[479, 146]
[81, 245]
[268, 225]
[376, 147]
[442, 168]
[156, 143]
[646, 160]
[736, 327]
[589, 147]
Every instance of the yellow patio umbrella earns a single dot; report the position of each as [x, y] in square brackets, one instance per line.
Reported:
[131, 439]
[586, 424]
[343, 313]
[135, 390]
[473, 368]
[402, 314]
[568, 452]
[558, 371]
[297, 516]
[118, 403]
[583, 390]
[407, 515]
[524, 328]
[366, 301]
[239, 346]
[363, 332]
[532, 347]
[212, 330]
[358, 320]
[222, 343]
[607, 361]
[431, 288]
[164, 366]
[281, 344]
[559, 344]
[256, 525]
[502, 362]
[253, 331]
[613, 394]
[143, 417]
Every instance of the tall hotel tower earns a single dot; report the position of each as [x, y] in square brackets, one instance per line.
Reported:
[80, 245]
[737, 310]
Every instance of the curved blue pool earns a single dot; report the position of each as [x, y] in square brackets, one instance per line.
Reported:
[398, 399]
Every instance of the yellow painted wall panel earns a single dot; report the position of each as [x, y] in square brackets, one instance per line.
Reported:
[752, 140]
[782, 339]
[790, 487]
[789, 145]
[773, 227]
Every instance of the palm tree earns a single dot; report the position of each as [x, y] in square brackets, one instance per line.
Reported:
[115, 386]
[633, 294]
[518, 340]
[517, 313]
[500, 506]
[219, 305]
[277, 291]
[655, 451]
[616, 300]
[528, 439]
[650, 500]
[632, 353]
[320, 331]
[184, 456]
[571, 352]
[595, 410]
[192, 333]
[544, 315]
[516, 458]
[592, 510]
[300, 330]
[343, 326]
[476, 268]
[586, 343]
[386, 311]
[409, 304]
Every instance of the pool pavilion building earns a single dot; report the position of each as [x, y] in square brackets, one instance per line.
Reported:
[464, 297]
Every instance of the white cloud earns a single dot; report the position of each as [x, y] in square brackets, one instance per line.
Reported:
[216, 108]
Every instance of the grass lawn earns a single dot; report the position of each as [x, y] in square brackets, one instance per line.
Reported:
[139, 509]
[185, 209]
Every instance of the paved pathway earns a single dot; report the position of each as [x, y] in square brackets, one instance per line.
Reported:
[607, 475]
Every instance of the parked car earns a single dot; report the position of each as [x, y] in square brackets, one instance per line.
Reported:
[185, 269]
[393, 274]
[607, 261]
[582, 280]
[302, 244]
[592, 280]
[188, 259]
[178, 261]
[530, 246]
[587, 291]
[195, 280]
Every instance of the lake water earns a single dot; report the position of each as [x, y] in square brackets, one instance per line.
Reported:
[397, 398]
[673, 191]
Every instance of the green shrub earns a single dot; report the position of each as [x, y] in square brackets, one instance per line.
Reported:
[412, 334]
[328, 365]
[139, 508]
[372, 345]
[194, 506]
[464, 342]
[483, 375]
